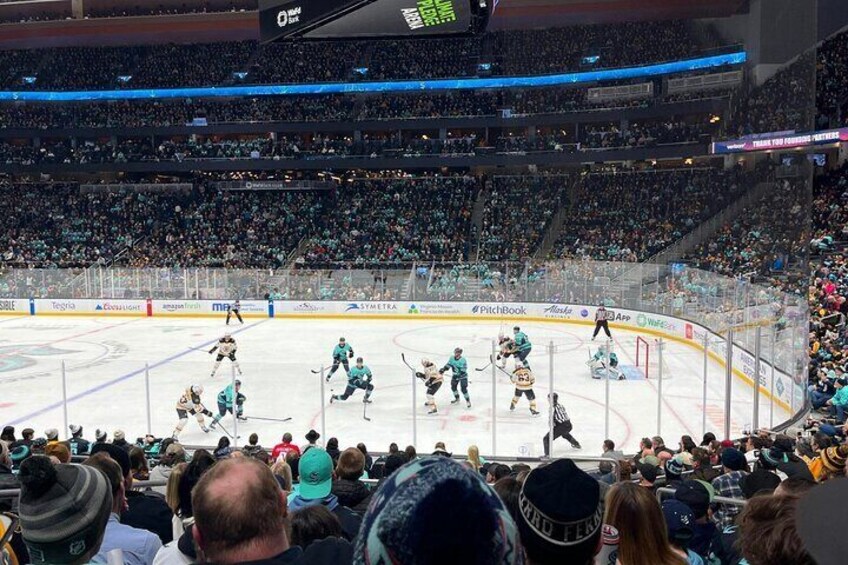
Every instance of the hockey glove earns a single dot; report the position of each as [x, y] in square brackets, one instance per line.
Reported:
[350, 354]
[420, 375]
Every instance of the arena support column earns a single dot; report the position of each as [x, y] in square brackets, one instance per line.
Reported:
[728, 381]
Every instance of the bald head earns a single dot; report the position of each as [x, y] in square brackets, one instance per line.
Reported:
[239, 512]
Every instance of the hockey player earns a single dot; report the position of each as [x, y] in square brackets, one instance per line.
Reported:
[358, 377]
[341, 353]
[459, 369]
[523, 380]
[191, 403]
[601, 317]
[225, 404]
[562, 425]
[598, 364]
[507, 349]
[433, 381]
[522, 342]
[226, 347]
[234, 308]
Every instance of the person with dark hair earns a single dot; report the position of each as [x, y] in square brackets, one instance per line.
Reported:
[391, 464]
[145, 510]
[27, 435]
[350, 491]
[562, 425]
[252, 448]
[314, 523]
[134, 545]
[794, 486]
[182, 550]
[687, 444]
[138, 464]
[509, 489]
[411, 454]
[602, 318]
[223, 451]
[333, 449]
[8, 435]
[80, 498]
[435, 511]
[369, 461]
[709, 437]
[496, 472]
[282, 449]
[768, 534]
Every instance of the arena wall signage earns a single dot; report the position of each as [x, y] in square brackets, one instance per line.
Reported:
[779, 140]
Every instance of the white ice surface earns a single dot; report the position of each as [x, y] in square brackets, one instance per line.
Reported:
[105, 372]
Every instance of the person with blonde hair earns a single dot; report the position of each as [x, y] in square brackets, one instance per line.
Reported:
[172, 497]
[283, 473]
[474, 460]
[636, 514]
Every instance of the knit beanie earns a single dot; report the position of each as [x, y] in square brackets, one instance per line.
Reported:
[63, 510]
[434, 511]
[733, 459]
[833, 458]
[561, 510]
[758, 481]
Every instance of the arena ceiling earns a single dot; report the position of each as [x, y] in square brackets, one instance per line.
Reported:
[537, 13]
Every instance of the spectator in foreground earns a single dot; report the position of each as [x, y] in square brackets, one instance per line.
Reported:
[133, 545]
[174, 455]
[435, 511]
[243, 491]
[146, 511]
[734, 467]
[767, 532]
[312, 524]
[679, 520]
[696, 495]
[252, 447]
[7, 479]
[284, 448]
[561, 515]
[350, 491]
[635, 513]
[316, 484]
[82, 501]
[822, 532]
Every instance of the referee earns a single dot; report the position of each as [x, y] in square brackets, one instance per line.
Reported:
[562, 425]
[601, 322]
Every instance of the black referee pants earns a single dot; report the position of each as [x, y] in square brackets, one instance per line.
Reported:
[601, 324]
[560, 430]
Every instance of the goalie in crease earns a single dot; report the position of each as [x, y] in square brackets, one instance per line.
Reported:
[598, 364]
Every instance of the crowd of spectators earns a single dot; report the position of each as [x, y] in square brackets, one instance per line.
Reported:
[397, 220]
[765, 237]
[186, 65]
[630, 216]
[517, 213]
[312, 503]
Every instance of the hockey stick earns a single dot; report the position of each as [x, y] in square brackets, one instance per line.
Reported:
[226, 431]
[403, 358]
[364, 408]
[270, 419]
[318, 372]
[489, 364]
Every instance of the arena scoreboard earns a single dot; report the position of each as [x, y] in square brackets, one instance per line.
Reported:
[346, 19]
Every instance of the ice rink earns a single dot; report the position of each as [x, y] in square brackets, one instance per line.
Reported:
[105, 360]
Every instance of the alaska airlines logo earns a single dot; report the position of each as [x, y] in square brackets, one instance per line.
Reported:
[15, 357]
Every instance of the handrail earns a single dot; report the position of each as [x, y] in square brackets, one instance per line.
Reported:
[717, 499]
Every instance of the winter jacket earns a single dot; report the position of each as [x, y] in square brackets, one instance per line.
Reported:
[353, 494]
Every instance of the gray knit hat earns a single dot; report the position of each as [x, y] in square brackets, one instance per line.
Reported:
[63, 510]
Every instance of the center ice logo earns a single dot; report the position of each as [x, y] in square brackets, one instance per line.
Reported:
[14, 357]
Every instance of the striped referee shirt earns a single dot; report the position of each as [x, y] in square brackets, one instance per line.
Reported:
[600, 315]
[560, 415]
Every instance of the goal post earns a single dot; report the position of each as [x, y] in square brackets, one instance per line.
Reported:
[648, 358]
[643, 355]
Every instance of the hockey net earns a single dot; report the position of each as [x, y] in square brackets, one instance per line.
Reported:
[648, 358]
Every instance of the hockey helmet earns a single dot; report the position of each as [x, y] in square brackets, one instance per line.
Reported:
[457, 350]
[238, 382]
[341, 340]
[197, 389]
[516, 329]
[426, 362]
[359, 361]
[519, 365]
[227, 335]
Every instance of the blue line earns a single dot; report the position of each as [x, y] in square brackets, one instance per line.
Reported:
[122, 378]
[686, 65]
